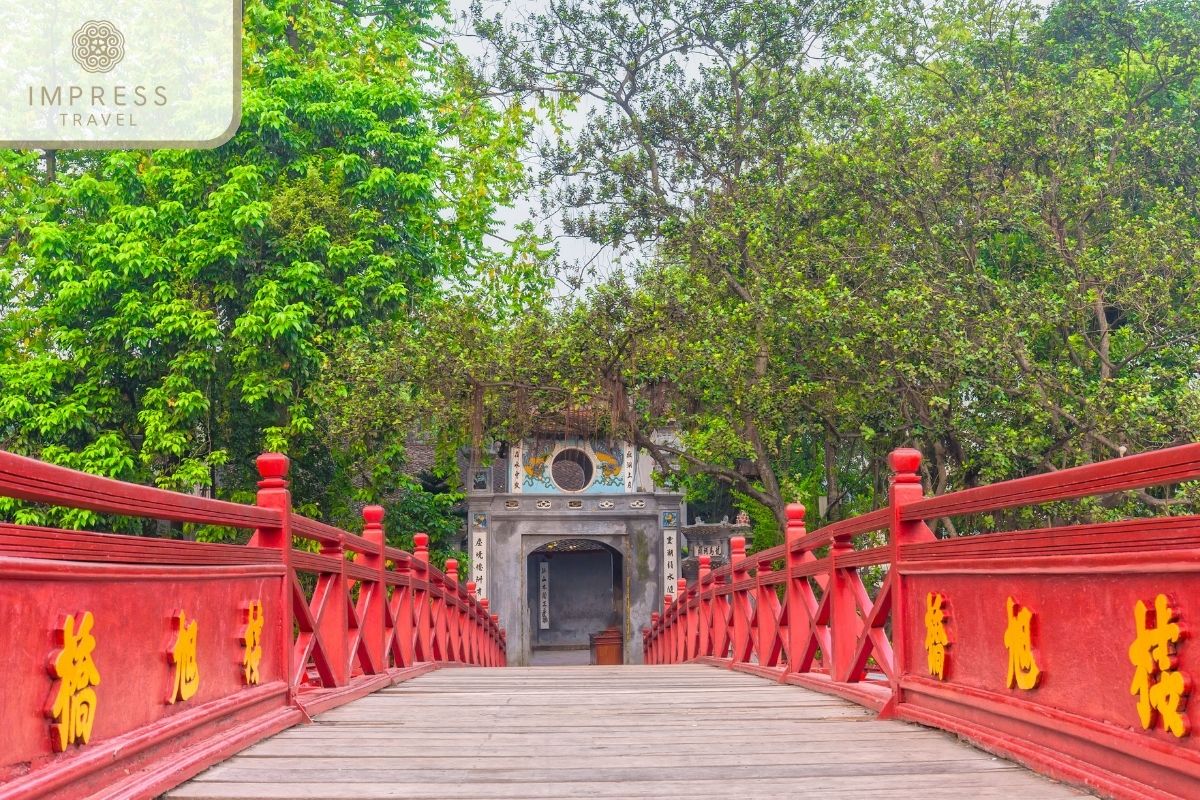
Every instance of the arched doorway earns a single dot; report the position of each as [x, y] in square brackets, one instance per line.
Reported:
[575, 589]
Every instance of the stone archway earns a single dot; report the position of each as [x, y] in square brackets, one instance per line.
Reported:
[583, 592]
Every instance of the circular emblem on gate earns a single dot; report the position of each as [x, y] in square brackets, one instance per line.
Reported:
[98, 46]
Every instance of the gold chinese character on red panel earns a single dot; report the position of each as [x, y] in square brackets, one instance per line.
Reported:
[936, 637]
[73, 706]
[182, 654]
[251, 640]
[1023, 671]
[1153, 655]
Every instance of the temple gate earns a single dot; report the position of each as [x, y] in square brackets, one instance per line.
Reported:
[569, 536]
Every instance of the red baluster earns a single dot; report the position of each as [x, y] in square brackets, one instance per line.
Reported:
[422, 600]
[273, 493]
[741, 611]
[800, 601]
[704, 637]
[372, 614]
[335, 615]
[437, 610]
[844, 622]
[720, 632]
[668, 615]
[905, 487]
[766, 617]
[402, 615]
[655, 638]
[450, 610]
[471, 637]
[489, 655]
[682, 622]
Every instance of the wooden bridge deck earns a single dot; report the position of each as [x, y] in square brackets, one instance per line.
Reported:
[571, 732]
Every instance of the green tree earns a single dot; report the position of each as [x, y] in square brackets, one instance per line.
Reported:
[167, 314]
[972, 230]
[687, 104]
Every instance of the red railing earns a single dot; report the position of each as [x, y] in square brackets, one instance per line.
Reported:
[1065, 648]
[132, 663]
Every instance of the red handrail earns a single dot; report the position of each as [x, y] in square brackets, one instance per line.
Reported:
[258, 637]
[1026, 642]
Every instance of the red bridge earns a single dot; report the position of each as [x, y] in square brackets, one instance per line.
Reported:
[134, 665]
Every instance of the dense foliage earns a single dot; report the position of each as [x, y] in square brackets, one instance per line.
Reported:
[167, 315]
[971, 228]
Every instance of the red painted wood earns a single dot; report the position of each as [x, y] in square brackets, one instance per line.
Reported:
[21, 541]
[1079, 722]
[28, 479]
[372, 609]
[1132, 472]
[345, 639]
[319, 532]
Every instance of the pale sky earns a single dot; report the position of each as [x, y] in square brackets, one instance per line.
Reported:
[576, 254]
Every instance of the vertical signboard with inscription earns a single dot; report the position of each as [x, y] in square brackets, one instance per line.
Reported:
[630, 462]
[670, 522]
[478, 540]
[515, 480]
[544, 595]
[120, 74]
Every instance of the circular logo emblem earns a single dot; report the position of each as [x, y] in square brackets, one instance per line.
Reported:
[98, 46]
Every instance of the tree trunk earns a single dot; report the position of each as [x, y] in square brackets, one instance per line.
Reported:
[833, 506]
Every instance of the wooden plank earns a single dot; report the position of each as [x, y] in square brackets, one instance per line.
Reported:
[915, 788]
[627, 732]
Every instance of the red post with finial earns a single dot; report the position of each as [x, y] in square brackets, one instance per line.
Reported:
[905, 487]
[466, 617]
[402, 613]
[845, 625]
[765, 629]
[479, 641]
[489, 644]
[332, 623]
[652, 654]
[801, 603]
[681, 614]
[670, 617]
[372, 598]
[742, 611]
[692, 628]
[422, 599]
[450, 615]
[719, 633]
[437, 614]
[462, 610]
[471, 638]
[704, 587]
[273, 493]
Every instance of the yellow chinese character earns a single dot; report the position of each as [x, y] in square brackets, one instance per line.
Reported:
[1152, 653]
[252, 639]
[183, 656]
[936, 638]
[1018, 639]
[74, 706]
